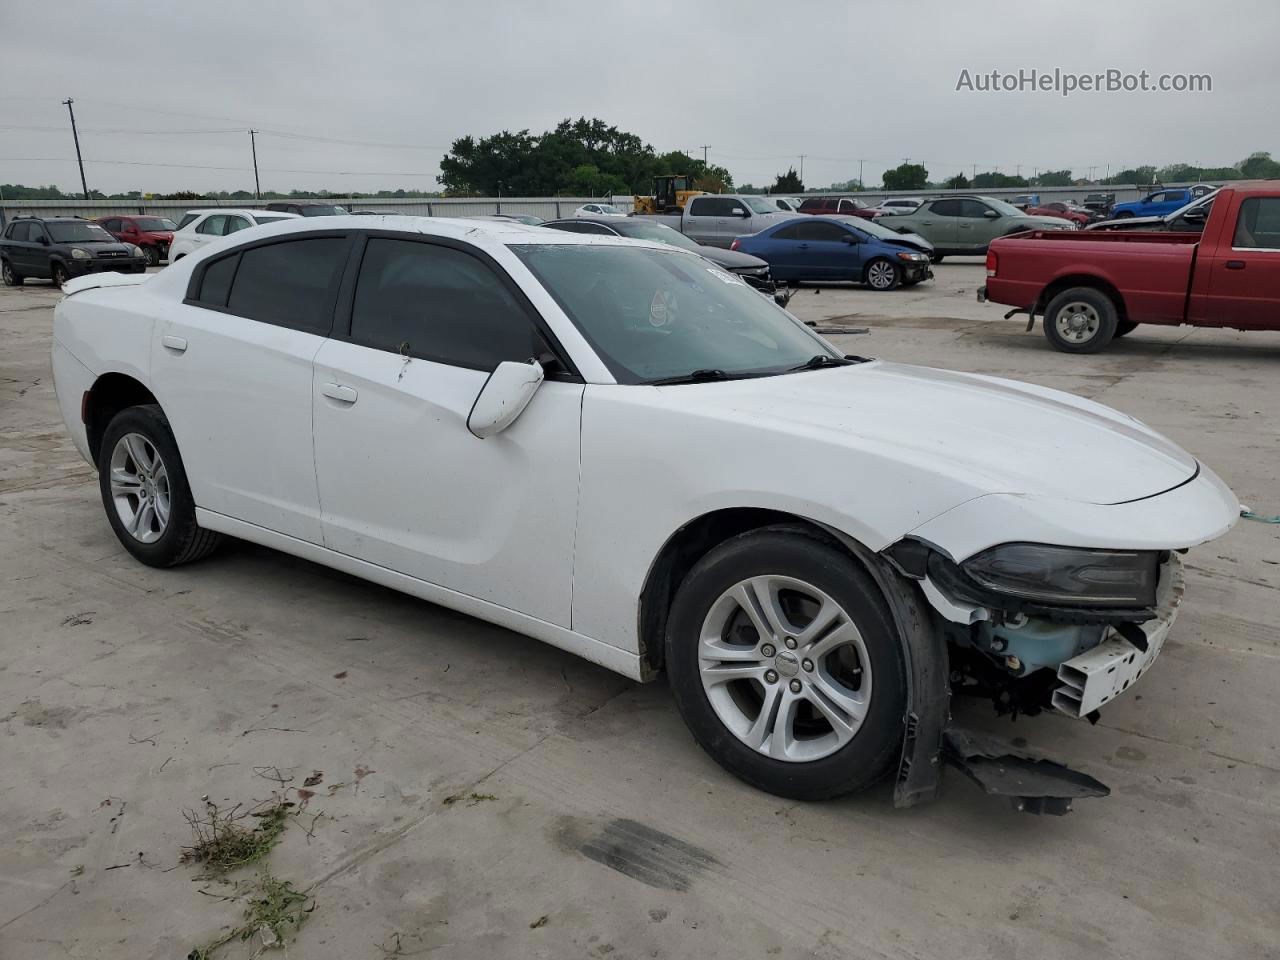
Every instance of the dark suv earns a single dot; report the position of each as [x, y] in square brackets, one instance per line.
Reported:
[308, 208]
[152, 234]
[59, 248]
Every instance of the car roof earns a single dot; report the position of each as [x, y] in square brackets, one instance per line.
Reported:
[246, 210]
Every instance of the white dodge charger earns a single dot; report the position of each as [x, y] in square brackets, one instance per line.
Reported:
[615, 447]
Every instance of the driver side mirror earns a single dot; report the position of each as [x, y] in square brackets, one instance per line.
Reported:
[1199, 214]
[504, 396]
[740, 212]
[42, 240]
[990, 214]
[850, 239]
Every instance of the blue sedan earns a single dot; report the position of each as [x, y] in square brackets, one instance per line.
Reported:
[840, 248]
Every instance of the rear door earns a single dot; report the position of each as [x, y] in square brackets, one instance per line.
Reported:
[18, 247]
[232, 366]
[1244, 281]
[701, 219]
[937, 222]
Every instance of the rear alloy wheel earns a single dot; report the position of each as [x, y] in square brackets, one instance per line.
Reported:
[1080, 320]
[881, 274]
[11, 278]
[145, 492]
[152, 255]
[784, 662]
[58, 274]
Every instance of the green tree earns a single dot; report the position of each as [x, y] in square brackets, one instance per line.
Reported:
[906, 176]
[1134, 175]
[985, 181]
[788, 182]
[958, 182]
[1053, 178]
[1259, 166]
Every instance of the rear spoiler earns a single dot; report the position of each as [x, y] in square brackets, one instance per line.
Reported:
[92, 281]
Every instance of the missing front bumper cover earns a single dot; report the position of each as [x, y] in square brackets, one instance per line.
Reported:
[1032, 785]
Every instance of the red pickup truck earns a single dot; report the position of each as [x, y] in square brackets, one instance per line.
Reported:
[1092, 286]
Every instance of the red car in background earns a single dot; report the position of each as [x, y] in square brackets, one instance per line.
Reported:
[1065, 211]
[841, 206]
[152, 234]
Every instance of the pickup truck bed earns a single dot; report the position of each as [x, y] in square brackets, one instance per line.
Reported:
[1093, 286]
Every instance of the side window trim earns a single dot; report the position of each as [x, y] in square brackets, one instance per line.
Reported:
[347, 296]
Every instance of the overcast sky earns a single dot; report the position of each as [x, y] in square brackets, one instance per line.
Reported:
[760, 81]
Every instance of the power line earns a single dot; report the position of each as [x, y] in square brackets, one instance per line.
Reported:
[201, 166]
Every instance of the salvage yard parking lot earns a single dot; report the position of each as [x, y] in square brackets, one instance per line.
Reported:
[474, 793]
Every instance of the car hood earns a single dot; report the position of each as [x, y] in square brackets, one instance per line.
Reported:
[101, 246]
[1129, 223]
[731, 259]
[1000, 436]
[909, 240]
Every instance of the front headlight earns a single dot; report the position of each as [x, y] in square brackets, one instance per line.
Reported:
[1068, 575]
[79, 254]
[135, 250]
[913, 256]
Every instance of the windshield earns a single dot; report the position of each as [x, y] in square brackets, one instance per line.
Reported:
[323, 210]
[78, 233]
[657, 232]
[1206, 201]
[155, 223]
[1005, 209]
[872, 228]
[654, 314]
[759, 206]
[608, 208]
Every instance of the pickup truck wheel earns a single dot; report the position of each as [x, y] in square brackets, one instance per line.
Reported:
[145, 492]
[1125, 326]
[881, 274]
[152, 255]
[11, 277]
[1124, 215]
[58, 274]
[1080, 320]
[785, 663]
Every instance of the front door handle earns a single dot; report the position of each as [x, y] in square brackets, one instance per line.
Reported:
[176, 344]
[1235, 264]
[336, 391]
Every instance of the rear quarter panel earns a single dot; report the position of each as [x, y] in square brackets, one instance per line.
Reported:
[1151, 276]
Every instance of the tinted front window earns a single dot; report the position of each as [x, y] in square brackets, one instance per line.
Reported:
[822, 231]
[945, 208]
[813, 203]
[652, 314]
[291, 283]
[974, 209]
[77, 233]
[213, 226]
[438, 303]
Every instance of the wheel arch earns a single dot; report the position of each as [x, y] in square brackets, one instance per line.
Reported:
[111, 393]
[1093, 281]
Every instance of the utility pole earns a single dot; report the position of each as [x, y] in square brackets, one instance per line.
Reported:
[253, 145]
[75, 136]
[861, 184]
[802, 156]
[1091, 169]
[705, 148]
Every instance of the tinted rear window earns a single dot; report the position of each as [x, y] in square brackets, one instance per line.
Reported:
[291, 284]
[217, 281]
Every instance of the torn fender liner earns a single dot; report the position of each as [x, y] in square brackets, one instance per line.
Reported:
[1031, 784]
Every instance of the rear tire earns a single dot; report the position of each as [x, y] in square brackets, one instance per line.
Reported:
[1080, 320]
[11, 277]
[812, 712]
[145, 491]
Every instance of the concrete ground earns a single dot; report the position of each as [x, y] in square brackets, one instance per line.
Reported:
[482, 795]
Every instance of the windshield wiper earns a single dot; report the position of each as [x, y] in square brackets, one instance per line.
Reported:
[821, 360]
[696, 376]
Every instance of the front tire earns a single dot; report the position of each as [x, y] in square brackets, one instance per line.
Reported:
[881, 274]
[58, 275]
[785, 663]
[145, 492]
[153, 256]
[1080, 320]
[11, 277]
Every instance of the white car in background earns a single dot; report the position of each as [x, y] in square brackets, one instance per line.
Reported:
[786, 204]
[199, 227]
[620, 449]
[898, 205]
[598, 210]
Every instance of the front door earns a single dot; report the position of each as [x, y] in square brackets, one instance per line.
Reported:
[1244, 279]
[403, 483]
[827, 252]
[233, 370]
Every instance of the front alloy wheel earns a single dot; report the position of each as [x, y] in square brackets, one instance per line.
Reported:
[140, 488]
[784, 668]
[786, 664]
[883, 275]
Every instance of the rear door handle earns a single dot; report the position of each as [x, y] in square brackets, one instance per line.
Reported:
[336, 391]
[176, 344]
[1235, 264]
[804, 246]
